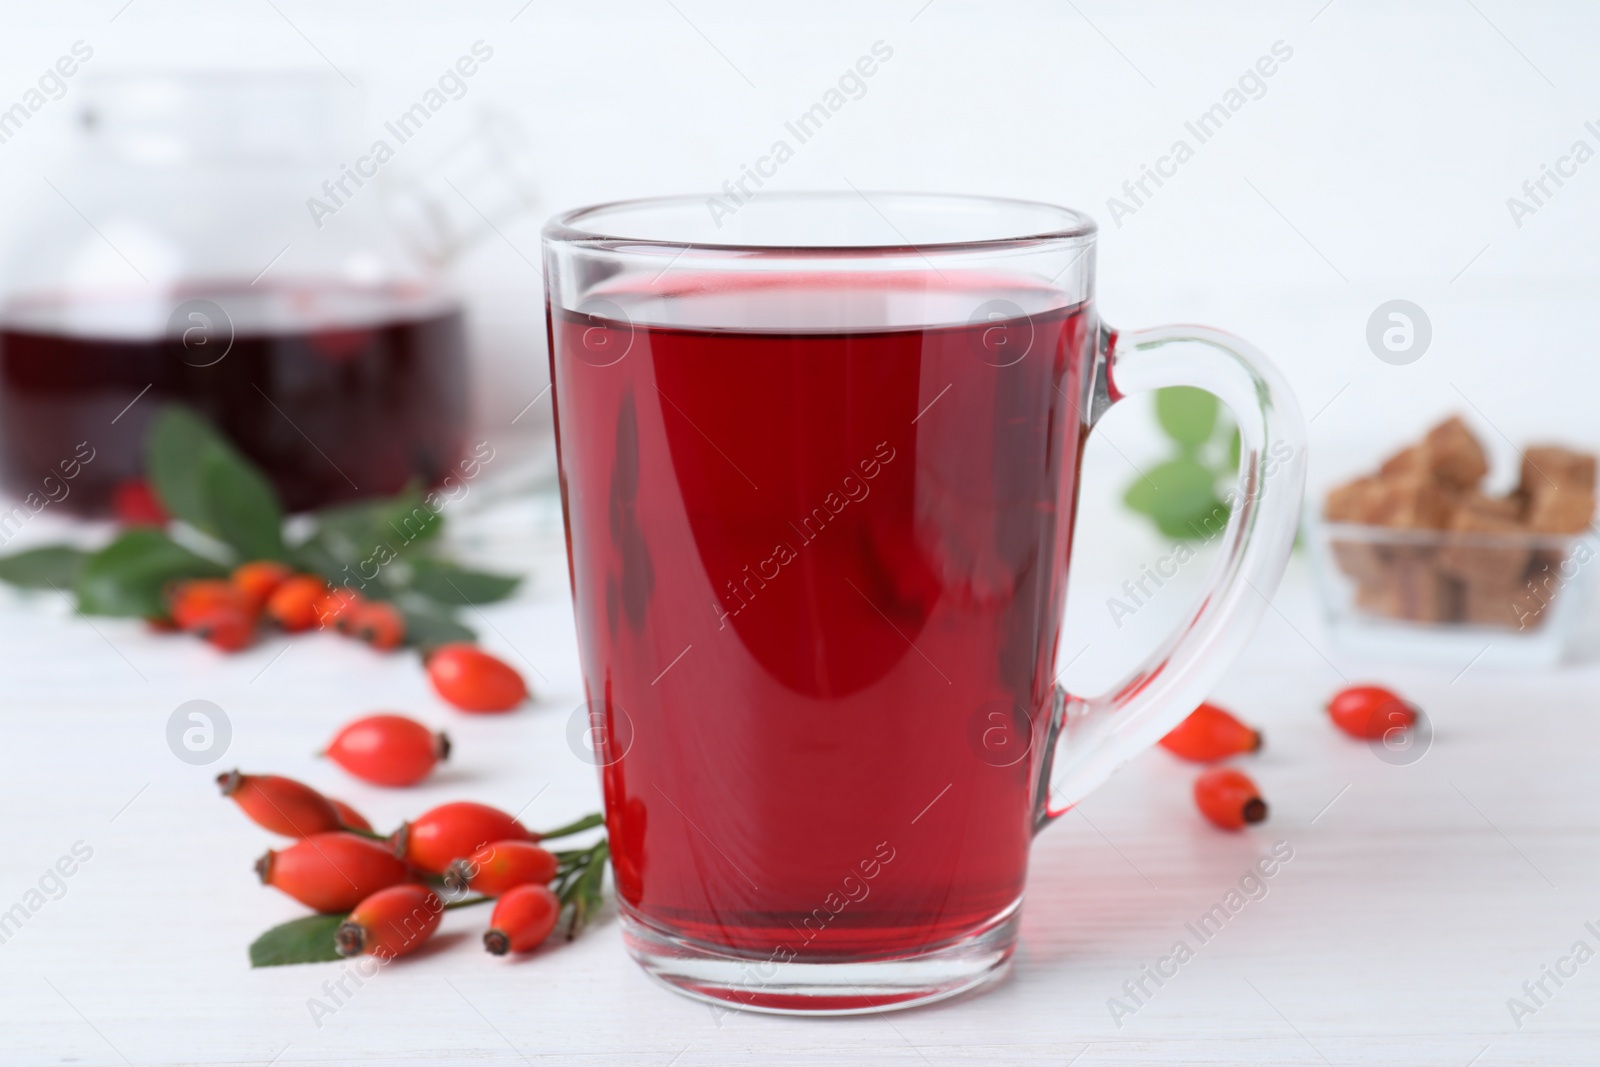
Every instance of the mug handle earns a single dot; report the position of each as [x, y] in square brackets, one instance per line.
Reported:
[1088, 739]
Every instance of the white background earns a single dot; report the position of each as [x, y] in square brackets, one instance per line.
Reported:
[1376, 166]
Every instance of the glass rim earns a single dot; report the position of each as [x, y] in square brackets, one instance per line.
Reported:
[568, 227]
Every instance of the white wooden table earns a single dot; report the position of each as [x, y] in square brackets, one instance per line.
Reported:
[1418, 900]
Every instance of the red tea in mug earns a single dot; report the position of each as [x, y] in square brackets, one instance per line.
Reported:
[831, 562]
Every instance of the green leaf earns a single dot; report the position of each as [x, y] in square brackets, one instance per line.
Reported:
[448, 583]
[1180, 497]
[203, 480]
[359, 535]
[129, 576]
[427, 627]
[1188, 415]
[305, 940]
[50, 567]
[244, 510]
[173, 446]
[1233, 451]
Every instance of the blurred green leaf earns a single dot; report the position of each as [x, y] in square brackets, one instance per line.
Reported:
[448, 583]
[1233, 451]
[1180, 497]
[304, 940]
[50, 567]
[130, 575]
[203, 480]
[1188, 415]
[428, 626]
[357, 535]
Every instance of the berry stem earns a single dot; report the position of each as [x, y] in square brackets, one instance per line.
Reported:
[371, 835]
[588, 822]
[466, 902]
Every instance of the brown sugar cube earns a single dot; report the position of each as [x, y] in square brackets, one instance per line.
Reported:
[1546, 467]
[1562, 510]
[1355, 501]
[1407, 461]
[1411, 502]
[1454, 455]
[1361, 560]
[1500, 507]
[1490, 551]
[1515, 606]
[1414, 591]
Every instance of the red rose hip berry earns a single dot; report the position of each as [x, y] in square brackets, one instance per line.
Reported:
[378, 624]
[501, 866]
[281, 805]
[522, 919]
[293, 604]
[1229, 799]
[1210, 734]
[388, 749]
[453, 831]
[390, 923]
[332, 872]
[1370, 712]
[349, 817]
[473, 680]
[258, 579]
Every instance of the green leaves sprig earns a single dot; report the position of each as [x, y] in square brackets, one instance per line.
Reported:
[225, 513]
[1180, 494]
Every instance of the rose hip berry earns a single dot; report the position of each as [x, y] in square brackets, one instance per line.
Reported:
[388, 749]
[281, 805]
[349, 817]
[337, 607]
[1229, 799]
[473, 680]
[451, 831]
[293, 605]
[1210, 734]
[522, 919]
[230, 629]
[188, 603]
[501, 866]
[258, 580]
[134, 503]
[390, 923]
[378, 624]
[1369, 712]
[331, 872]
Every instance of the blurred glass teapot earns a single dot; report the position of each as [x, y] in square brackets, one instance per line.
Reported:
[220, 243]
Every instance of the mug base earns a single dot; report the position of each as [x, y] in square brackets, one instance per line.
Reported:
[729, 979]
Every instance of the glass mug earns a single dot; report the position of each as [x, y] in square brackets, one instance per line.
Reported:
[819, 464]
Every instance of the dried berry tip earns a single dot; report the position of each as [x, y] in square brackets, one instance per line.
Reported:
[263, 866]
[1258, 742]
[496, 942]
[350, 939]
[1255, 810]
[442, 745]
[230, 782]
